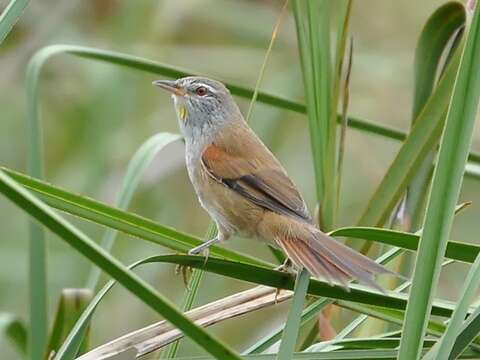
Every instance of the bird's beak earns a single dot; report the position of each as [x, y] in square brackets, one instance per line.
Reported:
[170, 86]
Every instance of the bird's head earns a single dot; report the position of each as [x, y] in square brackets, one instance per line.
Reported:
[203, 105]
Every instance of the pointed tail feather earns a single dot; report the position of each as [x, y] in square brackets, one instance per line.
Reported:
[328, 259]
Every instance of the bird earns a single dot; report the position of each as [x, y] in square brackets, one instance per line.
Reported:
[245, 189]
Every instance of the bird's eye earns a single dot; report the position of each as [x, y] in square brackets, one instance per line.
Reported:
[201, 91]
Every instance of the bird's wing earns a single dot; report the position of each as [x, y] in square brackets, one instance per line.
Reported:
[260, 179]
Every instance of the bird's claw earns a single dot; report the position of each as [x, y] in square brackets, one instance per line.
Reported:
[287, 267]
[184, 270]
[277, 292]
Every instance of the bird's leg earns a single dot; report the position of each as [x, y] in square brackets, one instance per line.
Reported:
[200, 248]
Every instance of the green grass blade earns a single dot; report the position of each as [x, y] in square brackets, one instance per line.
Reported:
[70, 307]
[126, 222]
[443, 348]
[432, 328]
[290, 334]
[470, 330]
[394, 316]
[269, 277]
[446, 185]
[88, 248]
[435, 36]
[10, 16]
[327, 113]
[38, 294]
[312, 20]
[152, 67]
[422, 139]
[458, 251]
[72, 342]
[303, 12]
[191, 293]
[141, 227]
[308, 314]
[14, 330]
[136, 167]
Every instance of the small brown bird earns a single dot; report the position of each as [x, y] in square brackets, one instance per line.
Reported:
[245, 190]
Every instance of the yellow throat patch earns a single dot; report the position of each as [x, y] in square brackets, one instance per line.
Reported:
[183, 112]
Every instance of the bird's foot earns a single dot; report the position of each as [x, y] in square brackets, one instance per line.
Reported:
[186, 271]
[287, 267]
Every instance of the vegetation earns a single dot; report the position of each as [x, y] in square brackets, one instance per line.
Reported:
[411, 210]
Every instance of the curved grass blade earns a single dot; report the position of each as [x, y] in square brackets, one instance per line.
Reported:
[311, 311]
[149, 66]
[421, 140]
[138, 226]
[126, 222]
[70, 307]
[445, 190]
[437, 33]
[10, 16]
[362, 318]
[136, 167]
[88, 248]
[14, 330]
[290, 334]
[277, 279]
[389, 315]
[153, 67]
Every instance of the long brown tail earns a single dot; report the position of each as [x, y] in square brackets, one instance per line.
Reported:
[328, 259]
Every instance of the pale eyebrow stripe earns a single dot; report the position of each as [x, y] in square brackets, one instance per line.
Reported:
[206, 86]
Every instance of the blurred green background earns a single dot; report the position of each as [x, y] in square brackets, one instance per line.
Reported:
[96, 115]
